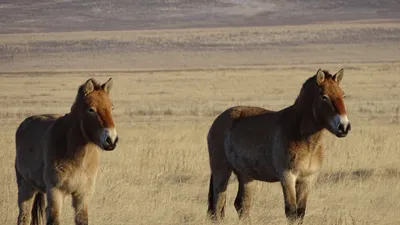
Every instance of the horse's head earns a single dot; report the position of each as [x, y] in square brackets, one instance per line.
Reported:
[328, 105]
[93, 106]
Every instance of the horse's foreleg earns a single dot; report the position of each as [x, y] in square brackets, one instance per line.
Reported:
[303, 187]
[288, 183]
[80, 203]
[243, 197]
[55, 200]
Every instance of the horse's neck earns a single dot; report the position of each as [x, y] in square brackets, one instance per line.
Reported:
[77, 145]
[301, 130]
[303, 124]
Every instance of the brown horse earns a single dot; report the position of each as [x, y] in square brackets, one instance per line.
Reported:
[272, 146]
[58, 156]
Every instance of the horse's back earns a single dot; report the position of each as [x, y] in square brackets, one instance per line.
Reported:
[28, 140]
[36, 119]
[223, 125]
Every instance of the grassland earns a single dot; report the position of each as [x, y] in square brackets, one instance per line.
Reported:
[159, 173]
[170, 84]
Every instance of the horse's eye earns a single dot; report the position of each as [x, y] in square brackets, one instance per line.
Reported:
[324, 97]
[91, 110]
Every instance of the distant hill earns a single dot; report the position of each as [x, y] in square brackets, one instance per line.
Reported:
[75, 15]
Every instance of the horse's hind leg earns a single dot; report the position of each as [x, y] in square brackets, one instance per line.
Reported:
[217, 196]
[243, 197]
[26, 197]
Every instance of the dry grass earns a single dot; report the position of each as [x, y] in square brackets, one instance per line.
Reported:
[159, 173]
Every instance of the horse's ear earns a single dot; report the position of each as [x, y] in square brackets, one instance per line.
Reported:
[320, 76]
[107, 86]
[88, 87]
[338, 76]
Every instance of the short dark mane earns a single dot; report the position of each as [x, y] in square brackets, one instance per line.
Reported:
[328, 75]
[311, 85]
[96, 85]
[80, 96]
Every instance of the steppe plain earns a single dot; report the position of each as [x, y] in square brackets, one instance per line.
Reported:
[176, 65]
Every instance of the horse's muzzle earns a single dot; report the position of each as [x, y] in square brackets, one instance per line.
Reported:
[109, 145]
[109, 139]
[343, 129]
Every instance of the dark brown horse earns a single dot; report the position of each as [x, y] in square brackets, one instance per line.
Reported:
[284, 146]
[58, 156]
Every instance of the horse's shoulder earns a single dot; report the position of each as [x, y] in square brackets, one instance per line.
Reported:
[55, 134]
[60, 124]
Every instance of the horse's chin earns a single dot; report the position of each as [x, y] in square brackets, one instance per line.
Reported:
[337, 133]
[108, 148]
[341, 135]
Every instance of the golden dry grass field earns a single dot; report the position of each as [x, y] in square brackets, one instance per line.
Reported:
[169, 85]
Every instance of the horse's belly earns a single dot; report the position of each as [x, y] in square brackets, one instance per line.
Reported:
[252, 163]
[265, 175]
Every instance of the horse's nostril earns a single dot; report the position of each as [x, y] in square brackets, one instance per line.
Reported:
[349, 127]
[116, 140]
[340, 127]
[108, 140]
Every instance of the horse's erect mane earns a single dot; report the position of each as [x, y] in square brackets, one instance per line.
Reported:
[81, 94]
[326, 72]
[311, 84]
[96, 86]
[312, 78]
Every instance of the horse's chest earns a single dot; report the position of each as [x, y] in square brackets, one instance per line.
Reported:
[307, 164]
[80, 179]
[76, 177]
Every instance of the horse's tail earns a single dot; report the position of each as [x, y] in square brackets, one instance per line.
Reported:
[210, 210]
[38, 210]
